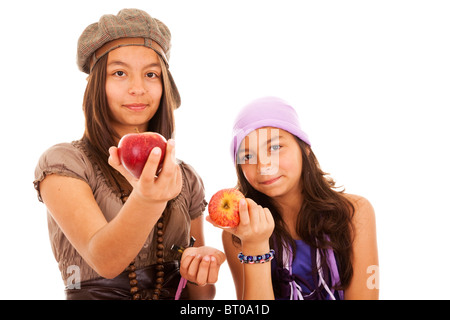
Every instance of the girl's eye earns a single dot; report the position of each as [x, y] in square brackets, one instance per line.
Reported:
[119, 73]
[151, 75]
[275, 147]
[246, 158]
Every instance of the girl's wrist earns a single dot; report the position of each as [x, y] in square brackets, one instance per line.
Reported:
[254, 249]
[146, 201]
[151, 207]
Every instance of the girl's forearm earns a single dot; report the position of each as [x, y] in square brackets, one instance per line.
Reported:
[114, 246]
[257, 276]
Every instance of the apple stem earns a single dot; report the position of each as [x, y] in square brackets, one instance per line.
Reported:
[136, 129]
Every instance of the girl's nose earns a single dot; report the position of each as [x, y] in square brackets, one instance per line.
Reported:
[136, 86]
[267, 165]
[267, 171]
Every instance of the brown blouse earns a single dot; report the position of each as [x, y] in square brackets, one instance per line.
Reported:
[72, 160]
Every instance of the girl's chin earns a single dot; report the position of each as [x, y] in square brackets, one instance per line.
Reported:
[271, 191]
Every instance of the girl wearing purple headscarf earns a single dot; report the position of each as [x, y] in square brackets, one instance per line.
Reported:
[321, 242]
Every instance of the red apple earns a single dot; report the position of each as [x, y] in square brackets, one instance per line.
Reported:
[134, 149]
[223, 207]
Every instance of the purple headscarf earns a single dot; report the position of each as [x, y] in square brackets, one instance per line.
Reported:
[265, 112]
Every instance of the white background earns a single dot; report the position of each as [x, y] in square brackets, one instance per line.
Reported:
[369, 79]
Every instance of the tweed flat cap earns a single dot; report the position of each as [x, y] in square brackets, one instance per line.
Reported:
[128, 27]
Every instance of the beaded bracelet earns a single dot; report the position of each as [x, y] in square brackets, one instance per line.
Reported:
[256, 259]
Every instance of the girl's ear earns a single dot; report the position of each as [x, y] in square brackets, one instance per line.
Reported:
[308, 150]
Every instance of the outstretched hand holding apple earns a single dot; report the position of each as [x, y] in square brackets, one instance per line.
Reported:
[223, 207]
[134, 149]
[141, 159]
[243, 217]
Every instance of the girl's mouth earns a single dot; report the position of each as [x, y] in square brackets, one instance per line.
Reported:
[268, 182]
[135, 106]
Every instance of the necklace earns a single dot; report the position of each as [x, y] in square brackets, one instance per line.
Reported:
[131, 269]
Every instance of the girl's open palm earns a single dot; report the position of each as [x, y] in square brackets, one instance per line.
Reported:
[201, 264]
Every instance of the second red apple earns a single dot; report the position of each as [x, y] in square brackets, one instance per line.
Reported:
[223, 207]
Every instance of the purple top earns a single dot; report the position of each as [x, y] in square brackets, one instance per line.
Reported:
[297, 280]
[302, 265]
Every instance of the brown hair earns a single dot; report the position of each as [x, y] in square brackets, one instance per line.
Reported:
[324, 220]
[99, 135]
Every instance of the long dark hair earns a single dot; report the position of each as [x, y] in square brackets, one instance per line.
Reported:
[324, 220]
[99, 135]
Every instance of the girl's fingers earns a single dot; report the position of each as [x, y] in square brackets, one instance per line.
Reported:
[113, 157]
[219, 258]
[269, 217]
[169, 163]
[114, 161]
[203, 271]
[170, 175]
[193, 268]
[243, 212]
[151, 166]
[255, 221]
[185, 263]
[213, 274]
[254, 212]
[170, 152]
[201, 268]
[208, 271]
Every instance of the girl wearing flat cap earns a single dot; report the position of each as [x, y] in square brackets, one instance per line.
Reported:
[115, 236]
[298, 237]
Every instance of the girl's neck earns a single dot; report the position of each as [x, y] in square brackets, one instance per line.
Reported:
[289, 207]
[123, 130]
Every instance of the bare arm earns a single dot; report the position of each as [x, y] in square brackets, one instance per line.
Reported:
[252, 281]
[109, 247]
[364, 284]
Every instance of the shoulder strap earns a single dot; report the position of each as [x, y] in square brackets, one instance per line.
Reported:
[331, 262]
[335, 279]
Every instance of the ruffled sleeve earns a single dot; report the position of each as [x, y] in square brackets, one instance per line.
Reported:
[62, 159]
